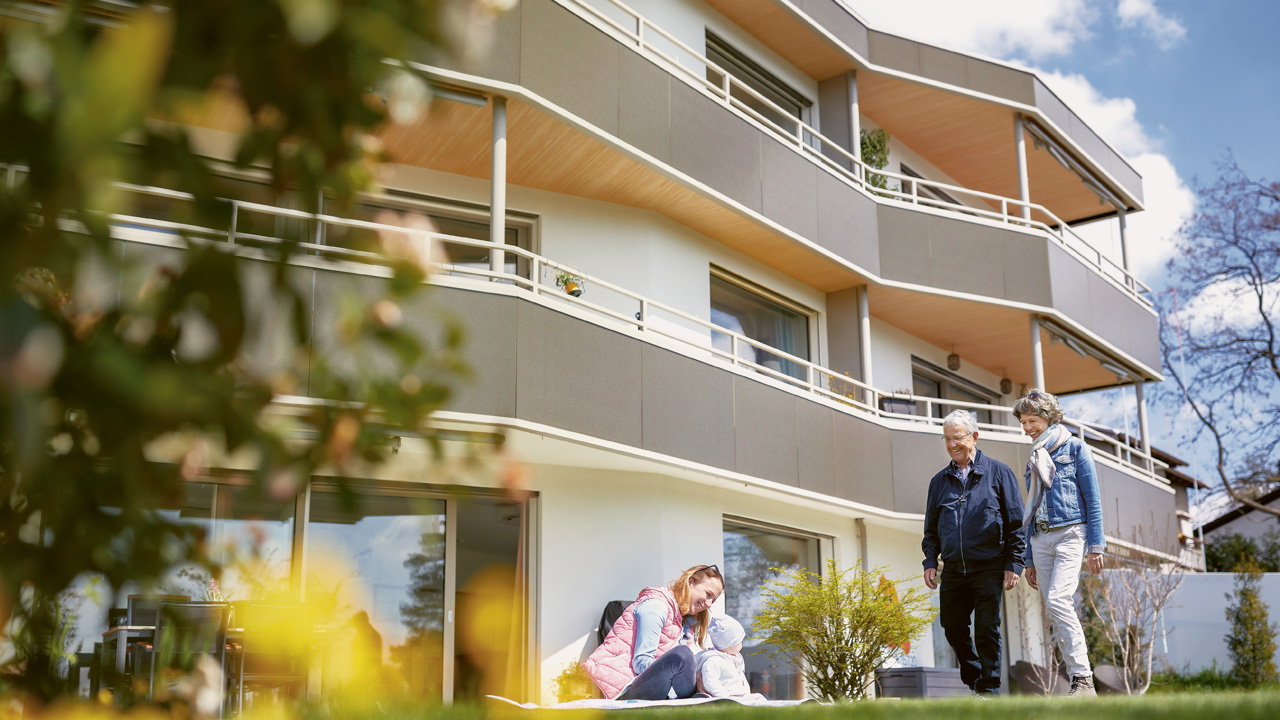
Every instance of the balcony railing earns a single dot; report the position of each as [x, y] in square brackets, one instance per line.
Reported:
[807, 141]
[620, 307]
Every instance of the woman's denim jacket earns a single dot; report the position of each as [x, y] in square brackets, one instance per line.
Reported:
[1074, 496]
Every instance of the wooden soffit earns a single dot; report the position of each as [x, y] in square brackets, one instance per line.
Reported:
[993, 337]
[786, 35]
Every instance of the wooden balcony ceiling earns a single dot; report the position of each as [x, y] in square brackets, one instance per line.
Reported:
[794, 40]
[994, 338]
[546, 154]
[968, 139]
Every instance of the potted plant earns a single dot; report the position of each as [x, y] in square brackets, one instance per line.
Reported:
[571, 283]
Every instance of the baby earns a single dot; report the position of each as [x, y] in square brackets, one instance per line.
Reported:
[721, 671]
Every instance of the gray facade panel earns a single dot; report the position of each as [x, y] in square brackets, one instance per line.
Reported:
[709, 143]
[501, 61]
[574, 375]
[765, 419]
[839, 22]
[904, 245]
[917, 457]
[844, 341]
[688, 408]
[965, 257]
[1134, 511]
[847, 223]
[815, 438]
[1026, 268]
[489, 322]
[894, 52]
[994, 79]
[584, 81]
[863, 462]
[944, 66]
[1070, 280]
[835, 117]
[789, 188]
[645, 107]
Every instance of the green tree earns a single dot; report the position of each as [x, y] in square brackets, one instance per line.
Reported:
[1225, 552]
[875, 153]
[840, 626]
[1252, 640]
[89, 387]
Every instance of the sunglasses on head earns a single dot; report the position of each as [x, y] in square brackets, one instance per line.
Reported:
[713, 568]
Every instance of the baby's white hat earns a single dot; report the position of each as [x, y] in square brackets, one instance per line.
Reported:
[725, 632]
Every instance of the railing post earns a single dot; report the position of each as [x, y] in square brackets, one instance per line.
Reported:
[915, 195]
[535, 275]
[639, 31]
[1004, 209]
[235, 216]
[733, 348]
[644, 314]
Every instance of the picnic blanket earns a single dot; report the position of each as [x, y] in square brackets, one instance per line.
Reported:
[752, 700]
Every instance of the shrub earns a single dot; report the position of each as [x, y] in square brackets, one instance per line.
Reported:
[1252, 641]
[839, 627]
[573, 683]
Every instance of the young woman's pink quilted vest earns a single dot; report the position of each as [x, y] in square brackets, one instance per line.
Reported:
[610, 665]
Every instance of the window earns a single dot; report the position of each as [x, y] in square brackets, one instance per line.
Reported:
[772, 321]
[458, 219]
[925, 190]
[750, 550]
[929, 380]
[749, 73]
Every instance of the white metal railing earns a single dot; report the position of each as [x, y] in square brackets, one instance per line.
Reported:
[817, 147]
[650, 317]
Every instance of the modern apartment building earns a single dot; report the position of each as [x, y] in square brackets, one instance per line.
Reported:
[770, 331]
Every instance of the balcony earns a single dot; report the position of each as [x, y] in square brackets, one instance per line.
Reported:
[524, 274]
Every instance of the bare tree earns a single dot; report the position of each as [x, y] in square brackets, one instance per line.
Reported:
[1046, 676]
[1222, 347]
[1125, 605]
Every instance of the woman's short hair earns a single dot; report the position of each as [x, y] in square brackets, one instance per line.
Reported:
[961, 418]
[1039, 402]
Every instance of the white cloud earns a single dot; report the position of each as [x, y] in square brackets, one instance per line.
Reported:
[998, 28]
[1164, 30]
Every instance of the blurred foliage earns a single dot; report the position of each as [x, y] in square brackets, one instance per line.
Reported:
[840, 626]
[95, 94]
[875, 153]
[1224, 553]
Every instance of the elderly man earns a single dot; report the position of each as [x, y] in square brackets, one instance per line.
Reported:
[973, 521]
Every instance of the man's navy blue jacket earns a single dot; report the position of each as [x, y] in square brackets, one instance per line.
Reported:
[976, 525]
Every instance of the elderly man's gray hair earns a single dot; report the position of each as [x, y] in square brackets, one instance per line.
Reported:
[961, 418]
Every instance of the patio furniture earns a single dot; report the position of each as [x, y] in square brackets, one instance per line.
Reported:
[275, 651]
[184, 633]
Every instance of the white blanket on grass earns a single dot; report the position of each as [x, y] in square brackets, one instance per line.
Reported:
[752, 700]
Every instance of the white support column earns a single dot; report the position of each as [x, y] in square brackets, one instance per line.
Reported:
[1024, 184]
[855, 121]
[1037, 355]
[498, 187]
[1143, 432]
[864, 340]
[1124, 247]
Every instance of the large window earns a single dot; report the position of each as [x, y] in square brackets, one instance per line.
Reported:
[750, 551]
[746, 71]
[929, 380]
[769, 320]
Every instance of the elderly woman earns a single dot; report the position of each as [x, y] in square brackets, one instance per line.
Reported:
[1063, 518]
[647, 654]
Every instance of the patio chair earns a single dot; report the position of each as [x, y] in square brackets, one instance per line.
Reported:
[141, 609]
[184, 633]
[276, 649]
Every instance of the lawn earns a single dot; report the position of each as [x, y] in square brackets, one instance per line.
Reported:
[1195, 706]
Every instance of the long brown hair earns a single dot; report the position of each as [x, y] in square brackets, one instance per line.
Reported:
[680, 588]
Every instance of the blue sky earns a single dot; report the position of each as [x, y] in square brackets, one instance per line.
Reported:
[1173, 85]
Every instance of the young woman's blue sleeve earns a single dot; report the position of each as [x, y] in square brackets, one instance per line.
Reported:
[650, 617]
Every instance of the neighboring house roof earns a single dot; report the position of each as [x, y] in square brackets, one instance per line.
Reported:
[1240, 511]
[1174, 477]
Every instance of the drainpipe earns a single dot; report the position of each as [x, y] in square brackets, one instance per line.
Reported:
[1143, 433]
[1024, 187]
[498, 187]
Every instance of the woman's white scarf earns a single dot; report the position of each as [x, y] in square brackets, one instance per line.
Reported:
[1041, 466]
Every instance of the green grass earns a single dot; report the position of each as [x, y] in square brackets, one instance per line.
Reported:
[1191, 706]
